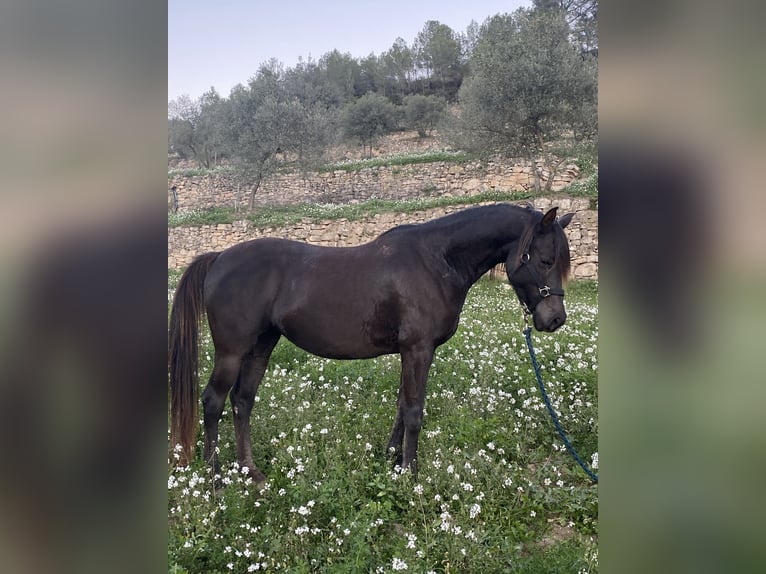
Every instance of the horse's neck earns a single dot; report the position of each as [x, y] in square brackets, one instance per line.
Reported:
[477, 247]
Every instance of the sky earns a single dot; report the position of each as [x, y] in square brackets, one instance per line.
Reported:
[222, 44]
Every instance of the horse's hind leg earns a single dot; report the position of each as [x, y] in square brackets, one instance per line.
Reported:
[397, 433]
[224, 375]
[243, 396]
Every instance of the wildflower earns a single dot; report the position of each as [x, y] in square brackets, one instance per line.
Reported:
[475, 510]
[398, 564]
[411, 539]
[418, 489]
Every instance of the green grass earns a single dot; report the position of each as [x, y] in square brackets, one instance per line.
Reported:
[277, 216]
[199, 217]
[397, 160]
[285, 215]
[201, 171]
[496, 491]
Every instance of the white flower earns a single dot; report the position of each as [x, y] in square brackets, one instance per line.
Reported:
[398, 564]
[411, 539]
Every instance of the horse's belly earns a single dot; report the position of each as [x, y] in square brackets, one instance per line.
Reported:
[337, 337]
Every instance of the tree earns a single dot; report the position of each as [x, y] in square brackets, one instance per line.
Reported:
[370, 76]
[369, 117]
[258, 121]
[183, 121]
[342, 73]
[439, 54]
[422, 113]
[468, 39]
[193, 128]
[582, 17]
[398, 66]
[529, 88]
[210, 127]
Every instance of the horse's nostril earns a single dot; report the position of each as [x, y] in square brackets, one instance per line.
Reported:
[558, 321]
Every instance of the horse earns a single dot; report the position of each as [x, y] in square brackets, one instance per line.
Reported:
[401, 293]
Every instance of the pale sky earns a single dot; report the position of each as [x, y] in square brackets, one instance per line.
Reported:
[222, 43]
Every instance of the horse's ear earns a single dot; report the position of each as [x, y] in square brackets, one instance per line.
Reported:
[565, 219]
[549, 217]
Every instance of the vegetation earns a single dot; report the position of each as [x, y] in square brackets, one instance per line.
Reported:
[529, 88]
[368, 118]
[277, 216]
[514, 85]
[201, 217]
[408, 159]
[283, 215]
[423, 113]
[496, 491]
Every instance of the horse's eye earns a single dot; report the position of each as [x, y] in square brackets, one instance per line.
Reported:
[547, 262]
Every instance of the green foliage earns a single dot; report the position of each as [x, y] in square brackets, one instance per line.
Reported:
[439, 53]
[202, 171]
[423, 113]
[286, 215]
[406, 159]
[496, 492]
[369, 117]
[529, 87]
[201, 217]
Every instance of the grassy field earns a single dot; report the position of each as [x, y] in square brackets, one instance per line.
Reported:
[496, 491]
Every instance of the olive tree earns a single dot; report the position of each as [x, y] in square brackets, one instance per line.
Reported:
[530, 89]
[423, 113]
[369, 117]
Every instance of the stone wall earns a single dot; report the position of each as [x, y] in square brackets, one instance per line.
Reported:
[184, 243]
[389, 182]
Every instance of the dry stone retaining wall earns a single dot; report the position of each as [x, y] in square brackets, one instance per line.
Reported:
[185, 243]
[387, 182]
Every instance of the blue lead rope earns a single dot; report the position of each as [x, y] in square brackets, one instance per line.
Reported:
[570, 448]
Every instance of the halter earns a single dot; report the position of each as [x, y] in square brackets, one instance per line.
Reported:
[542, 288]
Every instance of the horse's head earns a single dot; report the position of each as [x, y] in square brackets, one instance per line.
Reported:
[538, 269]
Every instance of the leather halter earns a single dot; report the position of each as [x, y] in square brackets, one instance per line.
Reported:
[542, 287]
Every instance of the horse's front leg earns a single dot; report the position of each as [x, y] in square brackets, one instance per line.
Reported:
[412, 394]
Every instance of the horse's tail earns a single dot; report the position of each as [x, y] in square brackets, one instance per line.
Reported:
[183, 354]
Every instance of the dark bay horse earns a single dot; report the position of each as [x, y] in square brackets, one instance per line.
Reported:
[401, 293]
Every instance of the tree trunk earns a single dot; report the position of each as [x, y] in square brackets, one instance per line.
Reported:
[253, 191]
[536, 173]
[174, 191]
